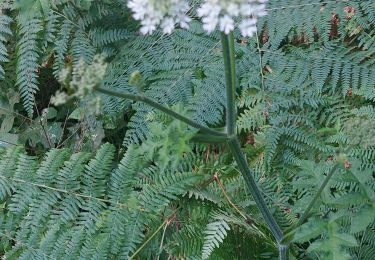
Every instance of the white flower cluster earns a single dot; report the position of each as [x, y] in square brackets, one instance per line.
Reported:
[83, 79]
[214, 13]
[166, 13]
[86, 77]
[224, 13]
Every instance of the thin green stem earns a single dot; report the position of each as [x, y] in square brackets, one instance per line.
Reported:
[230, 80]
[317, 195]
[255, 191]
[149, 239]
[306, 213]
[166, 110]
[221, 186]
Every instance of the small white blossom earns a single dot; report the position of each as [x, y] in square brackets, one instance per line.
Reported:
[224, 13]
[248, 27]
[166, 14]
[226, 24]
[233, 9]
[84, 79]
[167, 25]
[64, 75]
[209, 24]
[148, 26]
[59, 98]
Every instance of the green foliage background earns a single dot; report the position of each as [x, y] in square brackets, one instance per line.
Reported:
[105, 178]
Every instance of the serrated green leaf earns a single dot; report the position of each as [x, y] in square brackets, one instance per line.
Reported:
[77, 114]
[346, 239]
[348, 199]
[362, 219]
[32, 8]
[311, 229]
[49, 113]
[7, 139]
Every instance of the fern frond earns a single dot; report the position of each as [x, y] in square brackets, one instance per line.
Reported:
[102, 37]
[215, 233]
[28, 53]
[7, 169]
[62, 44]
[5, 31]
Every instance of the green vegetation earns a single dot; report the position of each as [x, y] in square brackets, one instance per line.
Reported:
[115, 145]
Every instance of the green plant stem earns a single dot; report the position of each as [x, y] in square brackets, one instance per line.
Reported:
[165, 223]
[306, 213]
[230, 79]
[227, 42]
[230, 136]
[283, 251]
[221, 186]
[162, 108]
[209, 139]
[317, 195]
[255, 191]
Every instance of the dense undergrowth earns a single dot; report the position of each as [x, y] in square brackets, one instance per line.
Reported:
[85, 175]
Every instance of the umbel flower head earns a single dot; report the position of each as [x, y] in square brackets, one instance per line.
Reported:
[83, 79]
[164, 13]
[223, 14]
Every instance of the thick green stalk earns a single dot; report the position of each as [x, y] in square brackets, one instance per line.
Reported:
[227, 42]
[230, 79]
[255, 191]
[209, 139]
[283, 251]
[162, 108]
[216, 136]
